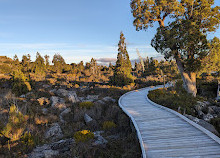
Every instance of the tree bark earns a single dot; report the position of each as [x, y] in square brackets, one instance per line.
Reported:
[189, 79]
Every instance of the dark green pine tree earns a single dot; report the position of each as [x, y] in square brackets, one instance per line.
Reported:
[39, 65]
[122, 73]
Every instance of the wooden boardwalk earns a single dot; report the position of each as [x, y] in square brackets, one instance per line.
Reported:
[163, 132]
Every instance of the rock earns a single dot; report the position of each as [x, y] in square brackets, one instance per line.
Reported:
[58, 103]
[63, 145]
[106, 99]
[52, 150]
[87, 118]
[200, 114]
[44, 111]
[194, 119]
[44, 151]
[22, 96]
[207, 117]
[62, 92]
[46, 86]
[54, 132]
[216, 109]
[54, 100]
[208, 126]
[99, 139]
[63, 114]
[97, 133]
[204, 124]
[72, 96]
[100, 102]
[115, 137]
[92, 97]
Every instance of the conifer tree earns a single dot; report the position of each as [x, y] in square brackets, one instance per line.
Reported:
[39, 65]
[122, 73]
[59, 63]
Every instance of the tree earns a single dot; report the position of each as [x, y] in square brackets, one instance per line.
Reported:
[122, 74]
[59, 63]
[212, 60]
[46, 57]
[39, 65]
[185, 37]
[93, 66]
[26, 59]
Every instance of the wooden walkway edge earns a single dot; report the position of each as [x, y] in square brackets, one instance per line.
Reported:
[163, 132]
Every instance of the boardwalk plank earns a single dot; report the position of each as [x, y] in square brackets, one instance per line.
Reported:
[164, 134]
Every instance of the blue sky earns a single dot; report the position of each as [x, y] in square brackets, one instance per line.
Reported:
[76, 29]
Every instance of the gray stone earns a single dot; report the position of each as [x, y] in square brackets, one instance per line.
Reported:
[207, 117]
[44, 111]
[204, 124]
[54, 132]
[23, 96]
[200, 114]
[58, 103]
[44, 151]
[54, 100]
[63, 114]
[108, 99]
[99, 140]
[100, 102]
[46, 86]
[92, 97]
[216, 109]
[62, 92]
[72, 96]
[51, 150]
[87, 118]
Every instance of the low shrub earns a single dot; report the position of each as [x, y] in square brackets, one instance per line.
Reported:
[174, 100]
[16, 124]
[87, 104]
[83, 136]
[108, 125]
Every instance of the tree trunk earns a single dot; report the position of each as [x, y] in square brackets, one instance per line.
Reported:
[189, 79]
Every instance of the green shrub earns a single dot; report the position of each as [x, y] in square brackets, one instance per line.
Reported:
[27, 139]
[87, 104]
[174, 99]
[83, 136]
[108, 125]
[16, 124]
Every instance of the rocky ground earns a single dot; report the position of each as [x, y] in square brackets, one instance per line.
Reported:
[55, 114]
[206, 113]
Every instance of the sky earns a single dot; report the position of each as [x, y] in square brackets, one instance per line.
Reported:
[76, 29]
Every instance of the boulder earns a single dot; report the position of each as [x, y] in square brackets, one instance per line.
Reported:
[72, 96]
[92, 97]
[46, 86]
[54, 100]
[99, 140]
[216, 109]
[204, 124]
[44, 151]
[87, 118]
[63, 114]
[54, 132]
[208, 117]
[62, 92]
[52, 150]
[100, 102]
[58, 103]
[108, 99]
